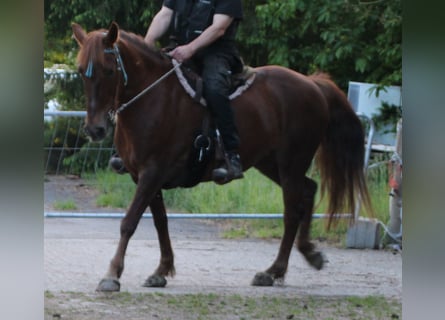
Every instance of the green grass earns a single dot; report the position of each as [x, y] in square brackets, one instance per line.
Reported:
[219, 306]
[65, 205]
[253, 194]
[116, 191]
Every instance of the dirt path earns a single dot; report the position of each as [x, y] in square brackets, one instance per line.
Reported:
[77, 252]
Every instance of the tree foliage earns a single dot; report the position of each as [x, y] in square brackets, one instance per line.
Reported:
[357, 40]
[351, 40]
[132, 15]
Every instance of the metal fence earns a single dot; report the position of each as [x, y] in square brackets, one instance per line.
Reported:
[67, 150]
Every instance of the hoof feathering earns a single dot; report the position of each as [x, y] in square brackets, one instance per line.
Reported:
[109, 285]
[155, 281]
[262, 279]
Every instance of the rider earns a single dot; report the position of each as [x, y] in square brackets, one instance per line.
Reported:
[204, 34]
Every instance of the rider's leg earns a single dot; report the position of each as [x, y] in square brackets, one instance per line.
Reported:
[216, 76]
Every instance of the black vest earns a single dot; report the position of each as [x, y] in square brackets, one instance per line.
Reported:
[191, 18]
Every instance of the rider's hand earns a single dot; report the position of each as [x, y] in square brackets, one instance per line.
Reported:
[182, 53]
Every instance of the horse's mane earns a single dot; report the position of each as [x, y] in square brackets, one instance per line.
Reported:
[93, 48]
[321, 76]
[138, 42]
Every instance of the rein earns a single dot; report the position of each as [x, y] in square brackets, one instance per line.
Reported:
[113, 113]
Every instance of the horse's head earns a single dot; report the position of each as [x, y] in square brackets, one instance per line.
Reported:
[99, 65]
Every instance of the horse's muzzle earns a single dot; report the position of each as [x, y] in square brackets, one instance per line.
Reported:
[96, 133]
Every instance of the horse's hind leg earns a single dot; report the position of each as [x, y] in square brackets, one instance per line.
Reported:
[292, 194]
[166, 264]
[314, 258]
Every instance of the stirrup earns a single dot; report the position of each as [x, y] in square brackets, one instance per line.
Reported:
[231, 171]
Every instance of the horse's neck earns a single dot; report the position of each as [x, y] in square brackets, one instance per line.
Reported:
[145, 78]
[143, 68]
[143, 64]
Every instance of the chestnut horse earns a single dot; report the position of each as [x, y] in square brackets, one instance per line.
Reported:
[282, 119]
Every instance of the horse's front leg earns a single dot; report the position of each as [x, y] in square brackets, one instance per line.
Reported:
[143, 196]
[166, 264]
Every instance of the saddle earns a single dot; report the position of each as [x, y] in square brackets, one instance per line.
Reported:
[192, 82]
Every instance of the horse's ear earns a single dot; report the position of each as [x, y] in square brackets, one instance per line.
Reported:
[78, 33]
[112, 35]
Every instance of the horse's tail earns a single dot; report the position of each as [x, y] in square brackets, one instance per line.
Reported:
[340, 158]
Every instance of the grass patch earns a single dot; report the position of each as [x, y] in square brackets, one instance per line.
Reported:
[116, 191]
[125, 305]
[253, 194]
[255, 228]
[65, 205]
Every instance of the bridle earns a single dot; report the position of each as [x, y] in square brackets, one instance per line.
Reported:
[121, 68]
[119, 62]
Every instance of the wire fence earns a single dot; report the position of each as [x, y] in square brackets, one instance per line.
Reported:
[67, 150]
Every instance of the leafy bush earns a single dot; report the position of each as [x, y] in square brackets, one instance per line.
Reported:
[91, 157]
[388, 115]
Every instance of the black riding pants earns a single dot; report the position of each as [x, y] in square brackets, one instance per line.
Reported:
[216, 74]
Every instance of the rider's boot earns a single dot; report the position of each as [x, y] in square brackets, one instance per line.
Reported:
[231, 170]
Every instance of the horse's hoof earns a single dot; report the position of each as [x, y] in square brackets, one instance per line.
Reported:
[262, 279]
[155, 281]
[316, 259]
[109, 285]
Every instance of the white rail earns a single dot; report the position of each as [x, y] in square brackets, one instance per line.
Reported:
[114, 215]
